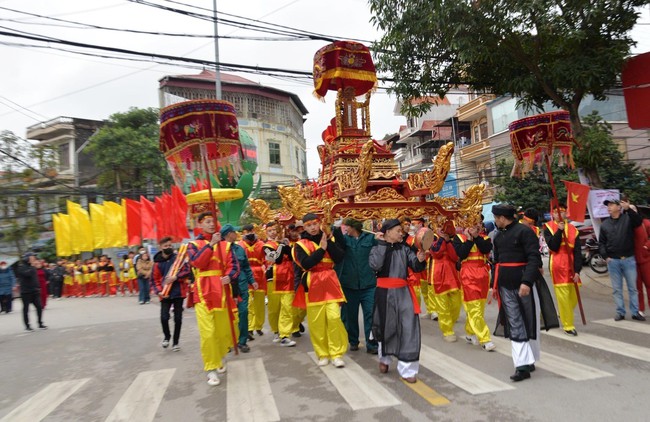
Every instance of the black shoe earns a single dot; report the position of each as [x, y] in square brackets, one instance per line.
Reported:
[244, 348]
[260, 332]
[619, 317]
[638, 317]
[301, 328]
[296, 334]
[28, 328]
[250, 336]
[372, 350]
[42, 326]
[571, 332]
[532, 367]
[354, 347]
[520, 375]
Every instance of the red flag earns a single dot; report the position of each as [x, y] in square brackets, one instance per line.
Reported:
[576, 201]
[133, 222]
[160, 209]
[148, 218]
[169, 224]
[179, 204]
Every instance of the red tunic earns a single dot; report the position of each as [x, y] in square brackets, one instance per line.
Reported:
[211, 264]
[322, 282]
[255, 254]
[442, 269]
[415, 279]
[283, 273]
[561, 262]
[474, 273]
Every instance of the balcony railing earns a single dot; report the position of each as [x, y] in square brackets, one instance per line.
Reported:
[466, 111]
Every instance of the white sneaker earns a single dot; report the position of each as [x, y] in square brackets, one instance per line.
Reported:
[434, 316]
[287, 342]
[338, 362]
[165, 344]
[276, 338]
[489, 346]
[213, 378]
[221, 370]
[450, 338]
[323, 362]
[472, 339]
[641, 313]
[176, 348]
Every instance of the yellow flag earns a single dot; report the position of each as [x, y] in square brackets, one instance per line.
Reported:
[74, 234]
[97, 222]
[66, 240]
[82, 235]
[114, 225]
[59, 236]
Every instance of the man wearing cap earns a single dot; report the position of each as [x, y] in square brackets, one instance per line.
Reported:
[216, 266]
[316, 255]
[358, 281]
[517, 257]
[565, 264]
[395, 321]
[255, 254]
[245, 282]
[616, 245]
[420, 280]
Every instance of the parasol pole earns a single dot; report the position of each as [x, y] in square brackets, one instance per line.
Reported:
[556, 204]
[227, 289]
[217, 74]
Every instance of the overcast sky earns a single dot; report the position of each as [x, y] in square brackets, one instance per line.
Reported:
[38, 84]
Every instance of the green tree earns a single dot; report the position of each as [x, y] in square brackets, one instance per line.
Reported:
[535, 50]
[126, 150]
[601, 153]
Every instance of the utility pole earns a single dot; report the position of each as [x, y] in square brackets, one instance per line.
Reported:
[216, 52]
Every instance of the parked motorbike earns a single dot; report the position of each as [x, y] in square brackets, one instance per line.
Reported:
[591, 257]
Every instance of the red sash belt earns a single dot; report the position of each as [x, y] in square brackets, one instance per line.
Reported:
[397, 283]
[495, 288]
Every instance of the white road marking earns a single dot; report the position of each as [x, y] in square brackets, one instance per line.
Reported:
[608, 345]
[560, 366]
[141, 400]
[360, 390]
[45, 401]
[463, 376]
[249, 396]
[639, 327]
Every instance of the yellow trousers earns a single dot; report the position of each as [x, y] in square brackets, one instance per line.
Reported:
[299, 315]
[428, 295]
[274, 309]
[326, 330]
[216, 338]
[475, 322]
[256, 309]
[448, 308]
[287, 314]
[566, 303]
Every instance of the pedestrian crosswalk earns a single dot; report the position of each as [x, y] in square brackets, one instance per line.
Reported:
[252, 393]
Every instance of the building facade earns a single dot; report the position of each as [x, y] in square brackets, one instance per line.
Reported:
[272, 117]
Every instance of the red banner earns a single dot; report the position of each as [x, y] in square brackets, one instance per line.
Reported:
[576, 201]
[148, 218]
[179, 205]
[636, 90]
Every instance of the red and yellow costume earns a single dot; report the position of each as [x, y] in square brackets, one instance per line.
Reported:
[443, 277]
[420, 283]
[322, 296]
[475, 282]
[565, 261]
[256, 311]
[283, 289]
[210, 296]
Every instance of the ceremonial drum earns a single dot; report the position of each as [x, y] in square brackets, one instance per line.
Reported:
[424, 239]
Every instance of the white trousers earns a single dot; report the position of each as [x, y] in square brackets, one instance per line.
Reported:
[404, 369]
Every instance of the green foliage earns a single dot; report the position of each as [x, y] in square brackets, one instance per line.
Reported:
[48, 251]
[126, 150]
[533, 190]
[536, 50]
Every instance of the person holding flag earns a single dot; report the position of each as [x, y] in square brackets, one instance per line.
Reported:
[565, 264]
[215, 267]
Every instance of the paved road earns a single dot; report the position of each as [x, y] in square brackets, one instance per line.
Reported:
[101, 360]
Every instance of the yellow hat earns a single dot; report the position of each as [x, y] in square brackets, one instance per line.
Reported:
[199, 202]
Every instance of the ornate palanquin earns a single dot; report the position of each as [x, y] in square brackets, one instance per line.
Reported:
[359, 177]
